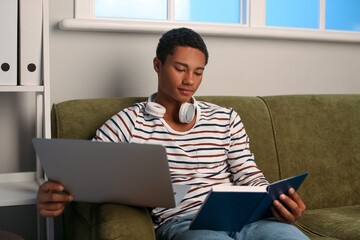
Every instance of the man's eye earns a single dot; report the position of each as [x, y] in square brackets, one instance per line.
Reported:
[180, 70]
[198, 73]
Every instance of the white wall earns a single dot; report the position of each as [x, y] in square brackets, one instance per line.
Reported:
[17, 127]
[103, 64]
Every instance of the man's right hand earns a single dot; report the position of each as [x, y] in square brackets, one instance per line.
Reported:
[51, 199]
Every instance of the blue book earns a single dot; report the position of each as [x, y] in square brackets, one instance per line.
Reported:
[229, 208]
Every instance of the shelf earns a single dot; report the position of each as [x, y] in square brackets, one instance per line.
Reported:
[18, 188]
[21, 88]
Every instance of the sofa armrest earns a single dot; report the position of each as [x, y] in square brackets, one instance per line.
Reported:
[107, 221]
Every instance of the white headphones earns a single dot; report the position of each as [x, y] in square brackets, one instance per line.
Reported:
[186, 112]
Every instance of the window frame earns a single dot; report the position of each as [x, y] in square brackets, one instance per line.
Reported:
[255, 27]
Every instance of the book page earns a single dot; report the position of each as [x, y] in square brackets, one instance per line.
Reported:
[234, 188]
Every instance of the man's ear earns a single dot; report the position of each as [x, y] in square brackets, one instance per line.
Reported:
[157, 64]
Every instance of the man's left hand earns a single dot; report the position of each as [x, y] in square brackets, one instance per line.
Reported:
[290, 208]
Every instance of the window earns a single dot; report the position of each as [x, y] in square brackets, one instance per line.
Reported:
[294, 13]
[210, 11]
[148, 9]
[343, 15]
[291, 19]
[337, 14]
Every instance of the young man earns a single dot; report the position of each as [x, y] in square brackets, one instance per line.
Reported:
[206, 145]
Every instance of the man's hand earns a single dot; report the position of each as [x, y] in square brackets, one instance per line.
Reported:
[294, 209]
[51, 200]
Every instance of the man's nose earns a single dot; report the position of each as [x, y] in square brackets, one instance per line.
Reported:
[189, 79]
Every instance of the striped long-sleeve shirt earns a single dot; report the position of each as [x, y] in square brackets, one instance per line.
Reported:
[215, 151]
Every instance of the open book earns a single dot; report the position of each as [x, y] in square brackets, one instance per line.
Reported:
[229, 208]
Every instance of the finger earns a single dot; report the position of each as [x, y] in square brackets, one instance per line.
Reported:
[52, 191]
[51, 206]
[50, 213]
[290, 204]
[51, 209]
[284, 212]
[51, 186]
[294, 196]
[55, 198]
[294, 203]
[277, 215]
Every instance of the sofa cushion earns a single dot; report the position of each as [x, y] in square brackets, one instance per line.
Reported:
[319, 134]
[107, 222]
[340, 223]
[123, 222]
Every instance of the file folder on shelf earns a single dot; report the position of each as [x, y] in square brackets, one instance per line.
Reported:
[30, 31]
[8, 42]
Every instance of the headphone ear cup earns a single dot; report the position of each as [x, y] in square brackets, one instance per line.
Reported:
[155, 109]
[187, 112]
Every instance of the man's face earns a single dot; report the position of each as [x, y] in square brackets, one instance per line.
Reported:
[180, 75]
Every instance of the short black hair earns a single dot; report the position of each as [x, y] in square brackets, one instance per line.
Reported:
[180, 37]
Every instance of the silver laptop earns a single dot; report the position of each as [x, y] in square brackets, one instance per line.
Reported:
[131, 174]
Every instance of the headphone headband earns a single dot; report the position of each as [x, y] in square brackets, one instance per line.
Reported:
[186, 112]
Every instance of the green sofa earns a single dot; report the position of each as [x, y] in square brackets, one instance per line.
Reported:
[289, 135]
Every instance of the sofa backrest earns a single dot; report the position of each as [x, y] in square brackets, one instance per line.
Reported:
[319, 134]
[79, 119]
[289, 135]
[256, 119]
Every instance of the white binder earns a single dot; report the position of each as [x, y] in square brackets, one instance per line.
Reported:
[30, 31]
[8, 42]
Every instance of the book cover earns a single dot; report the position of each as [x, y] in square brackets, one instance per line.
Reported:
[229, 208]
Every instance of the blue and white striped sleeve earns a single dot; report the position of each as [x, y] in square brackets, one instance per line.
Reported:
[241, 160]
[119, 127]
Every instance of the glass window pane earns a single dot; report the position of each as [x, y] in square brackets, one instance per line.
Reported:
[244, 11]
[144, 9]
[221, 11]
[292, 13]
[342, 15]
